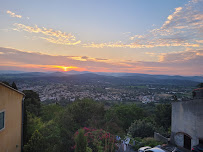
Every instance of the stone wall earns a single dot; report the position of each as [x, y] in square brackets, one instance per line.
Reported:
[187, 118]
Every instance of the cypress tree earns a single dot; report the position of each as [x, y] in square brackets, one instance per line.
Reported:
[14, 86]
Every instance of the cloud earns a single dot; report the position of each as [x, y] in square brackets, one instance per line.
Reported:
[150, 53]
[136, 36]
[50, 35]
[158, 43]
[182, 28]
[183, 56]
[188, 62]
[13, 14]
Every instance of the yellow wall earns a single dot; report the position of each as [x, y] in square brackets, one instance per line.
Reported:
[10, 136]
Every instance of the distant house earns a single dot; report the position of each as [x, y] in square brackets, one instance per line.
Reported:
[11, 105]
[187, 122]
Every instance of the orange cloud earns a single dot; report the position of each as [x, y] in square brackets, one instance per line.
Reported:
[187, 62]
[13, 14]
[57, 37]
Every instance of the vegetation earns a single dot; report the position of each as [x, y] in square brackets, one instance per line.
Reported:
[149, 141]
[200, 85]
[80, 141]
[54, 127]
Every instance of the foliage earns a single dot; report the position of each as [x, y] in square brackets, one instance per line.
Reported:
[146, 142]
[33, 123]
[112, 123]
[35, 144]
[128, 113]
[56, 126]
[14, 86]
[141, 128]
[32, 102]
[163, 115]
[85, 110]
[80, 141]
[51, 134]
[98, 139]
[49, 112]
[6, 83]
[31, 111]
[200, 85]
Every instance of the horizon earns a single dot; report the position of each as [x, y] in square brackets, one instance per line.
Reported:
[50, 72]
[147, 37]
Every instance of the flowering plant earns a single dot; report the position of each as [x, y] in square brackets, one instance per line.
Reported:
[99, 140]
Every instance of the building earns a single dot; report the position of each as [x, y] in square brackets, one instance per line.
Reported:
[187, 122]
[11, 106]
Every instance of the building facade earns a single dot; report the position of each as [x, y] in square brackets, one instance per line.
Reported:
[11, 102]
[187, 123]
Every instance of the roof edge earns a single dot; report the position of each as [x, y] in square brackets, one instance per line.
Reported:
[12, 88]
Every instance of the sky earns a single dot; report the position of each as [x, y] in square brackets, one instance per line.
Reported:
[134, 36]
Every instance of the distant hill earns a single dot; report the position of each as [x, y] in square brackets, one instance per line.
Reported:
[117, 78]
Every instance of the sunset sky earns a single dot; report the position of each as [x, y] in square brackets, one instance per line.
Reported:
[136, 36]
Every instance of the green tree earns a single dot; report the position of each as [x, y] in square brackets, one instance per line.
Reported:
[33, 123]
[85, 110]
[32, 102]
[76, 115]
[128, 114]
[112, 123]
[200, 85]
[14, 86]
[51, 136]
[81, 142]
[49, 112]
[67, 127]
[163, 115]
[35, 143]
[31, 110]
[141, 128]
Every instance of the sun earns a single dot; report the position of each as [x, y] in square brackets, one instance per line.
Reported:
[65, 68]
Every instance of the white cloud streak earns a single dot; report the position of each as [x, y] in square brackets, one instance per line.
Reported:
[50, 35]
[13, 14]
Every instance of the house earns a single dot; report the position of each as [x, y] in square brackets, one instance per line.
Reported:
[11, 106]
[187, 122]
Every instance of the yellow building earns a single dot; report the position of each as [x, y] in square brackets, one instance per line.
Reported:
[11, 101]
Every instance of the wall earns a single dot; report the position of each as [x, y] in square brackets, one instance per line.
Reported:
[10, 136]
[187, 118]
[159, 137]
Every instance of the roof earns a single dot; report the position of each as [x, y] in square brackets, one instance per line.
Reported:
[12, 88]
[198, 89]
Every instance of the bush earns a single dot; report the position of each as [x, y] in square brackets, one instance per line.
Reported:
[81, 141]
[146, 142]
[141, 128]
[98, 140]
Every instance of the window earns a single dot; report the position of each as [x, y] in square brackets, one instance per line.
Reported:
[2, 123]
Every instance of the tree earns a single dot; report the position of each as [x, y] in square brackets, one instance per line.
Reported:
[31, 110]
[200, 85]
[128, 114]
[33, 123]
[14, 86]
[35, 144]
[5, 82]
[141, 128]
[67, 127]
[81, 141]
[163, 115]
[51, 136]
[85, 110]
[32, 102]
[49, 112]
[76, 115]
